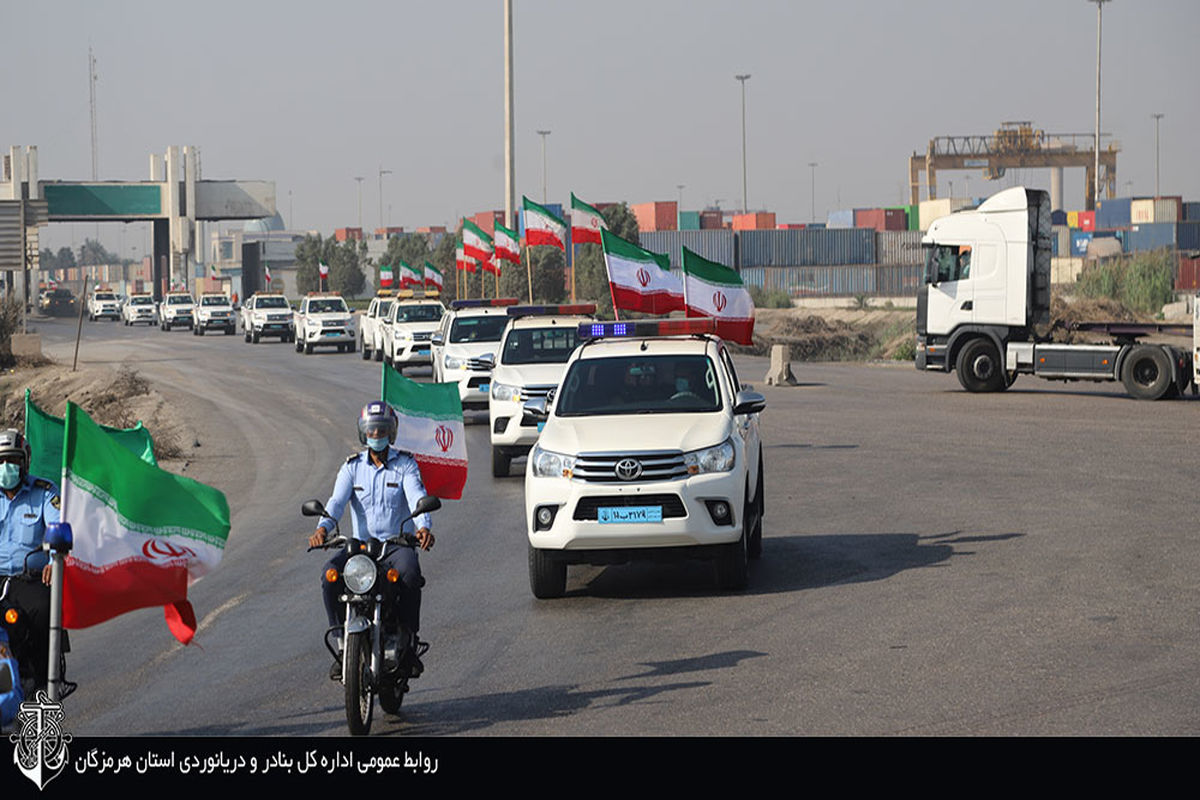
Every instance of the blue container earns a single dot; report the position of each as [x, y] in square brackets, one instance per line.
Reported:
[715, 245]
[1191, 212]
[1113, 214]
[1079, 242]
[1058, 218]
[1150, 236]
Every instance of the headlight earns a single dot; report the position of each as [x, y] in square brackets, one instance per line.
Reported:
[359, 574]
[402, 334]
[502, 391]
[548, 464]
[312, 323]
[452, 362]
[711, 459]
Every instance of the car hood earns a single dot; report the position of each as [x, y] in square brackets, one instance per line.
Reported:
[634, 432]
[470, 350]
[529, 374]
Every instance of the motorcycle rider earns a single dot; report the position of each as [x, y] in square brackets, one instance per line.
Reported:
[27, 505]
[381, 484]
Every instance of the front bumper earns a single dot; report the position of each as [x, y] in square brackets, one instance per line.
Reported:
[410, 353]
[222, 323]
[473, 386]
[319, 337]
[505, 422]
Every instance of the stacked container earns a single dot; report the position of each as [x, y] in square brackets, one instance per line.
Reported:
[759, 221]
[657, 216]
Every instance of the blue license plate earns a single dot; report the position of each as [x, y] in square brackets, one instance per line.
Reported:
[422, 351]
[629, 514]
[484, 387]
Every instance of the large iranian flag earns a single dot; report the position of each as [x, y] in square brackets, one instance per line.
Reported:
[542, 227]
[508, 244]
[46, 432]
[586, 222]
[142, 535]
[409, 277]
[386, 276]
[433, 277]
[640, 280]
[476, 243]
[431, 428]
[716, 291]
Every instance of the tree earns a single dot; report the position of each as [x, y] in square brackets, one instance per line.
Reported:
[442, 257]
[591, 276]
[411, 248]
[65, 258]
[92, 253]
[343, 259]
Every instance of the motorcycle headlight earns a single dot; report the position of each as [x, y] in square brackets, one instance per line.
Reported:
[453, 363]
[359, 574]
[502, 391]
[548, 464]
[710, 459]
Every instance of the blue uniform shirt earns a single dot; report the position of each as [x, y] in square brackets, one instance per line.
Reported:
[23, 524]
[379, 497]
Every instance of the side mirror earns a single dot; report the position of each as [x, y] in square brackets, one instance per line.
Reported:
[534, 410]
[437, 340]
[428, 503]
[749, 403]
[487, 361]
[313, 508]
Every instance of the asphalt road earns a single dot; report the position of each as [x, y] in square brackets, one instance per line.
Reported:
[935, 563]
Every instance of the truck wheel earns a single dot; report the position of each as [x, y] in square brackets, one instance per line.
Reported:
[254, 337]
[1146, 373]
[754, 542]
[378, 353]
[308, 348]
[366, 352]
[547, 577]
[501, 461]
[979, 368]
[731, 565]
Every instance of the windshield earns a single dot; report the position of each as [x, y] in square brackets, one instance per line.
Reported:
[141, 301]
[383, 308]
[671, 384]
[539, 345]
[61, 293]
[105, 296]
[478, 329]
[326, 306]
[214, 301]
[425, 313]
[180, 299]
[271, 302]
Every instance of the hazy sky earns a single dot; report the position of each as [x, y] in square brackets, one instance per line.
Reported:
[639, 96]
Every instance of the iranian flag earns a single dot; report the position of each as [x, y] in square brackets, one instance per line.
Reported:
[542, 227]
[490, 265]
[640, 280]
[586, 222]
[476, 243]
[508, 244]
[142, 535]
[322, 268]
[212, 269]
[461, 261]
[433, 277]
[267, 272]
[431, 428]
[386, 276]
[717, 291]
[408, 276]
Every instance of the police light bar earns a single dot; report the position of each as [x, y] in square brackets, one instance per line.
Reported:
[484, 303]
[645, 328]
[432, 293]
[402, 293]
[550, 311]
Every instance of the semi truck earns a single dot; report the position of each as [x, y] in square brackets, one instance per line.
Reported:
[983, 310]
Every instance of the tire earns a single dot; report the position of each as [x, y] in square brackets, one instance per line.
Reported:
[391, 695]
[255, 337]
[366, 352]
[360, 699]
[979, 367]
[754, 541]
[378, 353]
[299, 346]
[547, 577]
[308, 348]
[501, 462]
[1146, 373]
[732, 565]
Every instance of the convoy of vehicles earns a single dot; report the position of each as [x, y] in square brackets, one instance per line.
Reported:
[267, 315]
[406, 332]
[215, 313]
[177, 310]
[324, 320]
[140, 308]
[984, 309]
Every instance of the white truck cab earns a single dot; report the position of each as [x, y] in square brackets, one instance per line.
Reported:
[177, 311]
[408, 328]
[267, 315]
[103, 304]
[650, 448]
[214, 313]
[529, 363]
[469, 331]
[324, 320]
[139, 308]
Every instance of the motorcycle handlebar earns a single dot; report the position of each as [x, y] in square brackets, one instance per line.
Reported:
[402, 540]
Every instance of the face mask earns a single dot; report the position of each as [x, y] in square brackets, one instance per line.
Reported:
[378, 445]
[10, 475]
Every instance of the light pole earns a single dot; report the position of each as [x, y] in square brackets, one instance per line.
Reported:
[742, 80]
[812, 165]
[1157, 117]
[543, 134]
[360, 180]
[1096, 165]
[679, 205]
[382, 224]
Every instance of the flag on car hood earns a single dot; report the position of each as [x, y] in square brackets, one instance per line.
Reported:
[142, 534]
[431, 428]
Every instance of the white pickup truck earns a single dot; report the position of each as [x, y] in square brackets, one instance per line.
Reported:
[103, 304]
[324, 320]
[215, 312]
[177, 311]
[267, 315]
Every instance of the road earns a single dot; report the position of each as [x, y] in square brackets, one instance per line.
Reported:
[935, 563]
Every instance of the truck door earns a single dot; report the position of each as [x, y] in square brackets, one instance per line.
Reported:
[951, 293]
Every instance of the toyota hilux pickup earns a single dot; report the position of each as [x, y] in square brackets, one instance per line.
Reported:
[215, 313]
[324, 320]
[267, 315]
[177, 311]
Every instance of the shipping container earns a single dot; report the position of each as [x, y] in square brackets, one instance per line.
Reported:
[899, 280]
[842, 218]
[1059, 218]
[1156, 235]
[1079, 243]
[791, 226]
[936, 209]
[899, 247]
[830, 281]
[1112, 214]
[1087, 221]
[657, 216]
[1072, 219]
[1060, 236]
[757, 221]
[716, 246]
[1065, 270]
[1187, 278]
[689, 220]
[881, 219]
[807, 247]
[343, 234]
[711, 221]
[1191, 212]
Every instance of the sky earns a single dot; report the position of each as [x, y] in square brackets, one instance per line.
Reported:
[639, 96]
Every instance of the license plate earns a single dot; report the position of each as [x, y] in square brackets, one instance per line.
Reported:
[628, 514]
[484, 387]
[540, 426]
[422, 351]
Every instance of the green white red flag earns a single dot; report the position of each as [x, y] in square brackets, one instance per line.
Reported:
[476, 243]
[639, 279]
[542, 227]
[713, 290]
[433, 277]
[142, 535]
[461, 261]
[586, 222]
[431, 428]
[508, 244]
[409, 277]
[386, 276]
[322, 269]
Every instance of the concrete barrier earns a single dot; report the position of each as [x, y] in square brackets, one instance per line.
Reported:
[781, 367]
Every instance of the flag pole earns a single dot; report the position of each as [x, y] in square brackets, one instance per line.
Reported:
[574, 255]
[683, 267]
[529, 272]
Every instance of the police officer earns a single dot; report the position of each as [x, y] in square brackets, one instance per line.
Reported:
[381, 484]
[27, 505]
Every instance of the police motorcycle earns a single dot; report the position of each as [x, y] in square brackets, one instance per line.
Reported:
[17, 681]
[379, 654]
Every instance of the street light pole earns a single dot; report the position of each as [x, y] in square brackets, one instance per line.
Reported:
[543, 134]
[382, 224]
[812, 165]
[1157, 117]
[742, 80]
[1096, 165]
[360, 180]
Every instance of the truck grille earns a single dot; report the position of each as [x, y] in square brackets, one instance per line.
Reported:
[421, 337]
[588, 507]
[655, 466]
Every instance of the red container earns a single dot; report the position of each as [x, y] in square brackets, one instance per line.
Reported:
[790, 226]
[711, 220]
[486, 220]
[881, 219]
[657, 216]
[758, 221]
[1087, 220]
[343, 234]
[433, 229]
[1188, 277]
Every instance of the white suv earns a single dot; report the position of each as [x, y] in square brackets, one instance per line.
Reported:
[103, 303]
[529, 363]
[370, 327]
[267, 315]
[215, 312]
[324, 320]
[470, 330]
[409, 326]
[177, 311]
[650, 448]
[139, 308]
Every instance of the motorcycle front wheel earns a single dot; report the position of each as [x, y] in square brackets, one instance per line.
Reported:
[360, 699]
[391, 695]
